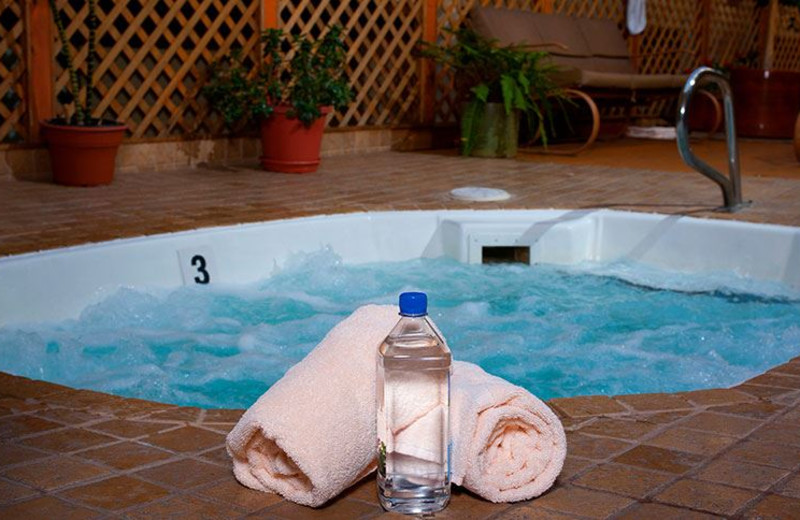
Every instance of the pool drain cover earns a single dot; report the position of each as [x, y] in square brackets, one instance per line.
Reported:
[480, 194]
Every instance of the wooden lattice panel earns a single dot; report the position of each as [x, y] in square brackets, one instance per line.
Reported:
[12, 72]
[787, 42]
[669, 43]
[380, 37]
[450, 15]
[154, 55]
[734, 33]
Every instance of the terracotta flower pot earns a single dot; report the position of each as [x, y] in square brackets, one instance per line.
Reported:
[702, 115]
[797, 137]
[288, 145]
[82, 155]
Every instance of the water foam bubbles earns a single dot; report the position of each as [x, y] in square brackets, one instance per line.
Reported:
[591, 329]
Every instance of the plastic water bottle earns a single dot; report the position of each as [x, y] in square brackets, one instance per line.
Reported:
[413, 401]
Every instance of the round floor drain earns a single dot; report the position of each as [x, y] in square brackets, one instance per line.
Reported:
[480, 194]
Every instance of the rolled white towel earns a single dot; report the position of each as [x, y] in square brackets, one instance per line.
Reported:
[507, 444]
[313, 433]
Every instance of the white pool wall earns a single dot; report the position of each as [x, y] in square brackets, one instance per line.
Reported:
[58, 284]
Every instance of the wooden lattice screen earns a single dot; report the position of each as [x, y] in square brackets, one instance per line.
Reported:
[153, 56]
[154, 53]
[13, 105]
[734, 33]
[380, 36]
[670, 43]
[787, 43]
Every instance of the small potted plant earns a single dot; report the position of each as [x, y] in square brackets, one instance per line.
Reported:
[296, 84]
[83, 148]
[496, 84]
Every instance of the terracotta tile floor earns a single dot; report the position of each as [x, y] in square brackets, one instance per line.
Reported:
[75, 454]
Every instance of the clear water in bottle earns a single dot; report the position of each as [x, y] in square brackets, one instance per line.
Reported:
[413, 401]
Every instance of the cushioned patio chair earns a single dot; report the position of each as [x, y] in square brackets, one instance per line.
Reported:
[592, 57]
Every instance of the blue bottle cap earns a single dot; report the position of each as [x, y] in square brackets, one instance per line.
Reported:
[413, 304]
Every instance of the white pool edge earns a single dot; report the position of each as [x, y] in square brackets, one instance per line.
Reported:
[57, 284]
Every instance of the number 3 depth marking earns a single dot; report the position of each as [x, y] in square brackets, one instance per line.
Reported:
[199, 262]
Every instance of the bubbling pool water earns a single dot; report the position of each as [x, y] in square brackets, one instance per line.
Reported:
[592, 329]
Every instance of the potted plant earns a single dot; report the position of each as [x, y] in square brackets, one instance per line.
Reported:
[496, 84]
[83, 148]
[296, 84]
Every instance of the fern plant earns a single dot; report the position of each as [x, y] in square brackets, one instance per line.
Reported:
[292, 70]
[485, 72]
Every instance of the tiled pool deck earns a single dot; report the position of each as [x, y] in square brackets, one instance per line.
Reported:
[74, 454]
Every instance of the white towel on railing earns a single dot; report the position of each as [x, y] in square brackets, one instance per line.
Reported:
[636, 16]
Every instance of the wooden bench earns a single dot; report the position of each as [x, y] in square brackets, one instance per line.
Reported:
[592, 58]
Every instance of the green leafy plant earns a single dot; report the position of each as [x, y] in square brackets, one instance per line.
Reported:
[516, 76]
[292, 70]
[81, 87]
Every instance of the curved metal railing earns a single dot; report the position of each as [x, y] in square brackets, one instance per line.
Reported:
[731, 185]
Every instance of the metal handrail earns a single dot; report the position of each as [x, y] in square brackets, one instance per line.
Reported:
[731, 185]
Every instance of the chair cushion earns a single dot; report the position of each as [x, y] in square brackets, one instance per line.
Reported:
[591, 78]
[596, 54]
[658, 81]
[567, 76]
[603, 37]
[621, 65]
[507, 26]
[564, 63]
[561, 29]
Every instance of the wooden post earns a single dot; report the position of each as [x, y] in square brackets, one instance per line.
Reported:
[547, 6]
[704, 26]
[269, 14]
[427, 72]
[773, 19]
[635, 44]
[39, 62]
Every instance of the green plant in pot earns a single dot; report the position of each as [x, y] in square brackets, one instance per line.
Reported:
[298, 81]
[496, 85]
[83, 148]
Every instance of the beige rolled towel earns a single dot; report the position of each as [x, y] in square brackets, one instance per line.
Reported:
[312, 434]
[507, 444]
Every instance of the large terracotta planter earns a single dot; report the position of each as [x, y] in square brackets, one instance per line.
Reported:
[705, 112]
[82, 155]
[288, 145]
[765, 102]
[797, 137]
